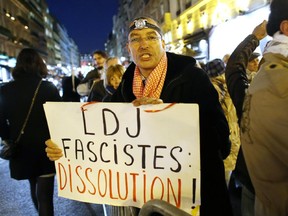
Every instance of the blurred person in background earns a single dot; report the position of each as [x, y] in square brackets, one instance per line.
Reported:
[215, 70]
[98, 91]
[30, 162]
[112, 80]
[252, 66]
[226, 58]
[94, 75]
[69, 85]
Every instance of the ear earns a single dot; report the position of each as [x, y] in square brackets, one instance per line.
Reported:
[128, 49]
[163, 44]
[284, 27]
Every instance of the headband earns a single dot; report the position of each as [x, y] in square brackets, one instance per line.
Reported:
[143, 24]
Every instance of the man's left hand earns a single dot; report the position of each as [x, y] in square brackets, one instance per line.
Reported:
[146, 100]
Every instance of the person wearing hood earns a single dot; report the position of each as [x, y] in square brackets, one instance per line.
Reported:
[264, 122]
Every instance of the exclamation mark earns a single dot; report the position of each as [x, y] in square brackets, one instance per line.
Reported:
[193, 192]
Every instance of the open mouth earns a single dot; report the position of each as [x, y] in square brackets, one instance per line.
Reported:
[145, 56]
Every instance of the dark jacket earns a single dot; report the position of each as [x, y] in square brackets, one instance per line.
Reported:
[69, 94]
[91, 76]
[97, 92]
[237, 83]
[15, 99]
[186, 83]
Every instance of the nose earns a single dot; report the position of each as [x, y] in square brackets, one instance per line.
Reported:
[144, 42]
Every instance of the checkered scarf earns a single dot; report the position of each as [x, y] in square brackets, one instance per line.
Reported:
[278, 44]
[154, 82]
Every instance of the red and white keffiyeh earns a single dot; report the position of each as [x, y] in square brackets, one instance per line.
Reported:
[154, 82]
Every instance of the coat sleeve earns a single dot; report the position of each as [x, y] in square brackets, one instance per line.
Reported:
[235, 72]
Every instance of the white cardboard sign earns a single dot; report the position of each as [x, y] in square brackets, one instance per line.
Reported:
[118, 154]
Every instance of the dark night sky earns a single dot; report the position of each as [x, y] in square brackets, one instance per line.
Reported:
[88, 22]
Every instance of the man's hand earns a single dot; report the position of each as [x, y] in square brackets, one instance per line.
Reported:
[146, 100]
[52, 150]
[260, 30]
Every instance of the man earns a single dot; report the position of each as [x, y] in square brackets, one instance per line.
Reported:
[226, 58]
[215, 70]
[156, 77]
[84, 87]
[98, 91]
[252, 66]
[264, 123]
[69, 88]
[237, 79]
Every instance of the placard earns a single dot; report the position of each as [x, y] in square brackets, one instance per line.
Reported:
[118, 154]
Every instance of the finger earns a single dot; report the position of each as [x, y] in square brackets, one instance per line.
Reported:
[50, 143]
[136, 102]
[54, 157]
[53, 150]
[264, 23]
[157, 101]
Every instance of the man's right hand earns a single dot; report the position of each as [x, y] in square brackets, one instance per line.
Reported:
[260, 30]
[53, 151]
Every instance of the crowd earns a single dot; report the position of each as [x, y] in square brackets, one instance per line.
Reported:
[243, 105]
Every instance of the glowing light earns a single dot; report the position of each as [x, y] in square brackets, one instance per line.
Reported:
[242, 5]
[204, 19]
[168, 37]
[190, 26]
[179, 31]
[221, 14]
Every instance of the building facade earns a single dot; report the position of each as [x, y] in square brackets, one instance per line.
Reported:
[27, 23]
[204, 29]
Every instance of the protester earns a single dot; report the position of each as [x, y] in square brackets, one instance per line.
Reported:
[252, 66]
[156, 77]
[86, 84]
[69, 85]
[226, 58]
[215, 70]
[264, 120]
[237, 82]
[98, 91]
[30, 162]
[112, 80]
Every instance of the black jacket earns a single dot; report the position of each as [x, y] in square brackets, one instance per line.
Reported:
[237, 83]
[69, 94]
[97, 92]
[186, 83]
[15, 100]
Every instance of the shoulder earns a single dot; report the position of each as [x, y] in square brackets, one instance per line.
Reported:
[7, 87]
[47, 85]
[180, 65]
[180, 59]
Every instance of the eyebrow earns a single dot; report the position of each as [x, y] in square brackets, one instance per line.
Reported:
[152, 32]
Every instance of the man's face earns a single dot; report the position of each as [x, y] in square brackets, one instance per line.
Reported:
[113, 61]
[253, 65]
[99, 60]
[146, 47]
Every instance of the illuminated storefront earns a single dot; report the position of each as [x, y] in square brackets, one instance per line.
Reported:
[210, 29]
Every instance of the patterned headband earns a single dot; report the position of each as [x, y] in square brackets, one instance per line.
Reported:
[143, 24]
